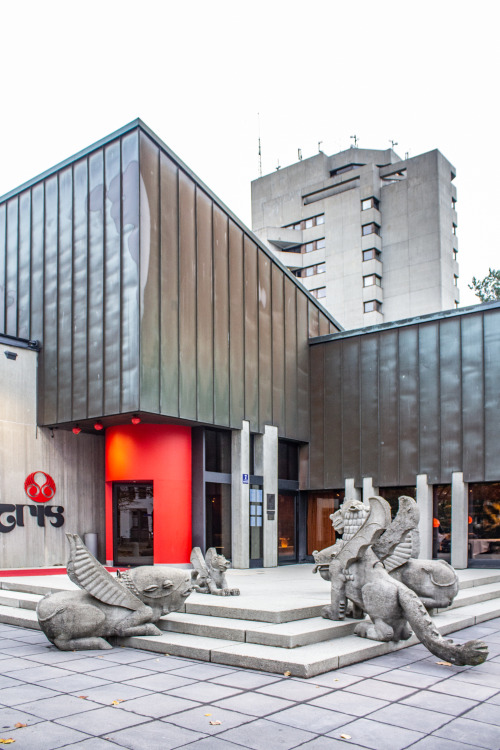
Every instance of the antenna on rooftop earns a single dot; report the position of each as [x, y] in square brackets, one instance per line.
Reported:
[319, 146]
[393, 143]
[260, 150]
[300, 154]
[278, 166]
[355, 139]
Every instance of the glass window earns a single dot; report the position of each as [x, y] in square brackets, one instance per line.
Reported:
[369, 203]
[308, 223]
[218, 517]
[321, 268]
[454, 228]
[297, 226]
[371, 254]
[372, 280]
[441, 522]
[256, 522]
[133, 506]
[287, 527]
[309, 247]
[288, 460]
[392, 495]
[320, 219]
[371, 228]
[319, 292]
[484, 521]
[320, 505]
[310, 271]
[320, 244]
[218, 451]
[372, 306]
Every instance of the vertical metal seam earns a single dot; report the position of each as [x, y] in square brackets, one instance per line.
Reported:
[104, 274]
[87, 324]
[244, 320]
[72, 332]
[178, 210]
[120, 290]
[419, 420]
[159, 278]
[439, 405]
[18, 253]
[196, 238]
[228, 291]
[30, 291]
[212, 258]
[398, 402]
[57, 326]
[483, 375]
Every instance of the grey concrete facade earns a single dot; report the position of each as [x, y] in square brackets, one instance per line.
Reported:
[369, 234]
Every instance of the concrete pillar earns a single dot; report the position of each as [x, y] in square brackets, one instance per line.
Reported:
[351, 492]
[240, 496]
[425, 506]
[270, 474]
[368, 489]
[459, 520]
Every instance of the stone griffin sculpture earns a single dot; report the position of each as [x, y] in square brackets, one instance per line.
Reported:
[108, 606]
[211, 573]
[371, 566]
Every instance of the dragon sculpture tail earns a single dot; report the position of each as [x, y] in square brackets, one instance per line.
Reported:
[472, 653]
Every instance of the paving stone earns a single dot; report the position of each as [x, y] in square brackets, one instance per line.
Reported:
[199, 719]
[348, 703]
[7, 643]
[254, 704]
[407, 677]
[40, 673]
[374, 688]
[464, 690]
[375, 735]
[295, 690]
[408, 717]
[8, 681]
[24, 649]
[54, 656]
[468, 730]
[160, 663]
[86, 664]
[336, 679]
[58, 706]
[494, 700]
[264, 735]
[213, 743]
[16, 664]
[9, 717]
[309, 717]
[485, 714]
[207, 692]
[202, 671]
[120, 673]
[157, 705]
[46, 735]
[102, 721]
[159, 681]
[95, 743]
[247, 680]
[446, 704]
[155, 735]
[473, 677]
[440, 743]
[111, 692]
[125, 656]
[327, 743]
[365, 669]
[75, 683]
[14, 696]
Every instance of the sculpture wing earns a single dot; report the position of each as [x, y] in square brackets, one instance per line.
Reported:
[370, 531]
[398, 536]
[92, 577]
[211, 553]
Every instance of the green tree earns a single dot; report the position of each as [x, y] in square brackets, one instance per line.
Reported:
[487, 289]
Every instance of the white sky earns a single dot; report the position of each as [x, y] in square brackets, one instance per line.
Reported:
[424, 74]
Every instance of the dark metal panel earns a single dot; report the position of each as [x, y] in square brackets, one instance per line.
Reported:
[221, 319]
[369, 425]
[388, 408]
[50, 303]
[251, 334]
[23, 326]
[473, 398]
[290, 300]
[351, 409]
[237, 326]
[318, 445]
[96, 285]
[64, 292]
[265, 342]
[169, 285]
[278, 321]
[313, 320]
[149, 274]
[408, 405]
[80, 282]
[187, 298]
[332, 429]
[112, 279]
[37, 263]
[302, 368]
[491, 394]
[450, 368]
[430, 439]
[12, 265]
[205, 323]
[130, 290]
[3, 258]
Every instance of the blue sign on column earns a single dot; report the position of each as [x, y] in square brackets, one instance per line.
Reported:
[245, 478]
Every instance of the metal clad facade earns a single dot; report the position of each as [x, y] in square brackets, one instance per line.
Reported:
[418, 398]
[146, 295]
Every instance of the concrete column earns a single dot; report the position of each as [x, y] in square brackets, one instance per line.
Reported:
[425, 505]
[351, 492]
[270, 473]
[368, 489]
[459, 519]
[240, 503]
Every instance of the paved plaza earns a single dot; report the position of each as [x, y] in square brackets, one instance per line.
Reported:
[99, 700]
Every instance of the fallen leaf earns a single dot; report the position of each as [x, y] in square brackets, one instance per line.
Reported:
[84, 697]
[287, 673]
[444, 663]
[6, 742]
[336, 679]
[215, 722]
[208, 714]
[117, 701]
[19, 725]
[345, 736]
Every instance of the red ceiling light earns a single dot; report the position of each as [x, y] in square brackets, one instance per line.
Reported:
[98, 426]
[135, 419]
[76, 430]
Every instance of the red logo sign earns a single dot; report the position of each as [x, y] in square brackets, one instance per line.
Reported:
[40, 487]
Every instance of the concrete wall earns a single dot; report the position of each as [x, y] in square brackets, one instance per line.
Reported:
[75, 463]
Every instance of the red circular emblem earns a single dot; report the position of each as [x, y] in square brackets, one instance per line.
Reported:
[40, 487]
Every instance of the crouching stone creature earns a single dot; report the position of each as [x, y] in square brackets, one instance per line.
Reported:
[359, 572]
[211, 573]
[108, 606]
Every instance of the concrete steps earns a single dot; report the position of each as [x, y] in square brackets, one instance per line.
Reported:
[277, 630]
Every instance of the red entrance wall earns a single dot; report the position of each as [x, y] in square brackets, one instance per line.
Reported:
[161, 454]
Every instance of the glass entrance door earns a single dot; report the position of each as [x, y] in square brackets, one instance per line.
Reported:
[287, 527]
[256, 527]
[133, 521]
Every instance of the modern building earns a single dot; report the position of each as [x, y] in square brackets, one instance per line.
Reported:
[369, 234]
[166, 382]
